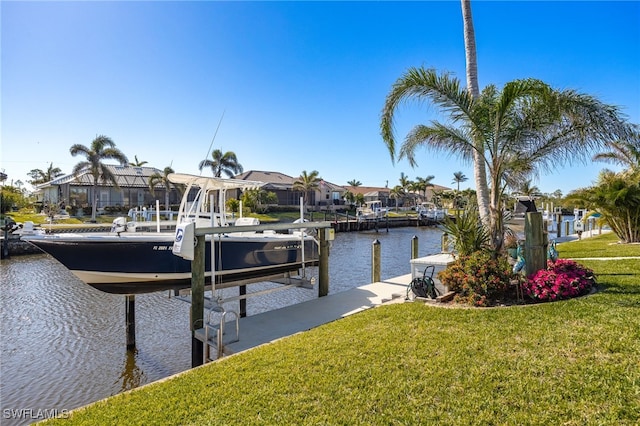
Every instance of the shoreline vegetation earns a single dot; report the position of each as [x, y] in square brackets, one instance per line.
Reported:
[568, 362]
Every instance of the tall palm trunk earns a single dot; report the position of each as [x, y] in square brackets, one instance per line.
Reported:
[479, 167]
[94, 203]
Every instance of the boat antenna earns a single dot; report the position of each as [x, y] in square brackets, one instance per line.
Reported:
[213, 139]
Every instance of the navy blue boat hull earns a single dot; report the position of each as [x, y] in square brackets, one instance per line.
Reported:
[143, 265]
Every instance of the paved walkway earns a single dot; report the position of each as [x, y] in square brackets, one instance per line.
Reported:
[269, 326]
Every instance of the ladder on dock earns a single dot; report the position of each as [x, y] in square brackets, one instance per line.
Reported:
[222, 326]
[213, 334]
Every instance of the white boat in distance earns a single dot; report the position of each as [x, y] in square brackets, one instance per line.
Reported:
[371, 210]
[429, 211]
[127, 262]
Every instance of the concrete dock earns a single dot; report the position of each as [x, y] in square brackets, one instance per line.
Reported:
[269, 326]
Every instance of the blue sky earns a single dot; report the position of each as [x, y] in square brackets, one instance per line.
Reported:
[300, 85]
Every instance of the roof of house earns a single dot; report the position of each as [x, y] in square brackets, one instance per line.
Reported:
[126, 176]
[273, 180]
[439, 188]
[280, 181]
[368, 191]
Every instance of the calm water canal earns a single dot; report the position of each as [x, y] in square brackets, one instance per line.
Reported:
[63, 343]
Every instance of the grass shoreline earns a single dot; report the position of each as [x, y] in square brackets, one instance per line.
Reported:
[572, 362]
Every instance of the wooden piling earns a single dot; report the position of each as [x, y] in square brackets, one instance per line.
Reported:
[197, 300]
[375, 262]
[414, 247]
[444, 243]
[5, 240]
[323, 263]
[535, 250]
[243, 301]
[130, 314]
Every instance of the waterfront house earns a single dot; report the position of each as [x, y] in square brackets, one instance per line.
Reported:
[75, 191]
[372, 193]
[383, 194]
[328, 196]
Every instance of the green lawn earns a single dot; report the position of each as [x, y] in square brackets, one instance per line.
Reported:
[573, 362]
[605, 245]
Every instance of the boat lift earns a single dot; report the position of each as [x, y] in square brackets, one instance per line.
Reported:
[190, 243]
[209, 332]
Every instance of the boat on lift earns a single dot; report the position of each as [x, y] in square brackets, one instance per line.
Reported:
[430, 212]
[125, 261]
[371, 210]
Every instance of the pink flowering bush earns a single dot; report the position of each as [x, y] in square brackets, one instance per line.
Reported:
[563, 279]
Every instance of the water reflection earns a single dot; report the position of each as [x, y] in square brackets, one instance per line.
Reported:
[64, 343]
[131, 376]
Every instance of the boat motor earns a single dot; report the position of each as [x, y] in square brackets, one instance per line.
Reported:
[119, 225]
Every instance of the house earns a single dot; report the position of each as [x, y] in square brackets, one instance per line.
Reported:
[327, 196]
[132, 191]
[372, 193]
[432, 194]
[75, 191]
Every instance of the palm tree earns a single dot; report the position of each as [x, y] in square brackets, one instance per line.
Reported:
[624, 153]
[525, 125]
[525, 188]
[163, 179]
[137, 163]
[414, 190]
[226, 163]
[404, 181]
[616, 196]
[102, 148]
[458, 178]
[424, 183]
[397, 192]
[39, 176]
[350, 197]
[306, 183]
[471, 59]
[354, 183]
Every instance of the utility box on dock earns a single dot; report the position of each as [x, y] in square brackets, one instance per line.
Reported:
[439, 261]
[183, 244]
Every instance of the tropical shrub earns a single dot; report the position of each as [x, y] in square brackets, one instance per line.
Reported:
[562, 279]
[616, 196]
[467, 232]
[11, 197]
[258, 200]
[479, 279]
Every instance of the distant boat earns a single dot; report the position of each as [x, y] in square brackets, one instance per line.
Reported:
[429, 211]
[371, 210]
[127, 262]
